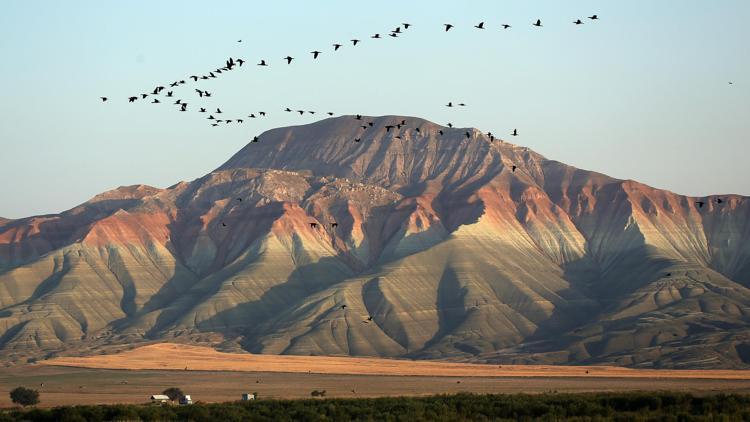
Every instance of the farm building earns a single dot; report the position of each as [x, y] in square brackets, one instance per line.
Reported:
[186, 399]
[248, 396]
[159, 398]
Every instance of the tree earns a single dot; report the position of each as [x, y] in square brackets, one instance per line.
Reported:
[24, 396]
[174, 393]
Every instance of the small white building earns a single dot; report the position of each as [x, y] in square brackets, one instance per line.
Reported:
[248, 396]
[159, 398]
[186, 399]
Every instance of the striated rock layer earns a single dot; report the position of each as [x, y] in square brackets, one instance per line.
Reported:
[423, 245]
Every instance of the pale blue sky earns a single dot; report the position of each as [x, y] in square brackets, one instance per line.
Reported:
[641, 94]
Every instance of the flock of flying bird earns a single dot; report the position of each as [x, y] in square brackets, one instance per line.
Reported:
[234, 63]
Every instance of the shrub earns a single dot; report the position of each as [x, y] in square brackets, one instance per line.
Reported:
[24, 396]
[174, 393]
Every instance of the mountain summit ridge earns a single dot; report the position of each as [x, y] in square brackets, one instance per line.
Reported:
[423, 245]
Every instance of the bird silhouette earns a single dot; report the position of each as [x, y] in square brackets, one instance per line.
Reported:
[210, 117]
[262, 63]
[393, 34]
[513, 169]
[240, 121]
[218, 110]
[450, 104]
[178, 102]
[311, 112]
[370, 124]
[461, 105]
[173, 84]
[288, 109]
[343, 306]
[358, 117]
[447, 27]
[313, 225]
[169, 93]
[397, 30]
[301, 112]
[440, 132]
[506, 26]
[468, 135]
[356, 140]
[417, 130]
[594, 17]
[156, 101]
[538, 23]
[252, 116]
[144, 95]
[315, 54]
[719, 200]
[200, 93]
[288, 59]
[388, 128]
[255, 139]
[699, 204]
[223, 224]
[240, 61]
[334, 225]
[480, 25]
[375, 36]
[450, 125]
[578, 22]
[406, 25]
[184, 107]
[330, 113]
[336, 47]
[354, 42]
[202, 110]
[206, 94]
[103, 99]
[262, 113]
[515, 132]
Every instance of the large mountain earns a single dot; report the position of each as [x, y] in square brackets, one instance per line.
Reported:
[456, 247]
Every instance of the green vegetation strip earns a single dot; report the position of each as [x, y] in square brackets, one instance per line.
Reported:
[661, 406]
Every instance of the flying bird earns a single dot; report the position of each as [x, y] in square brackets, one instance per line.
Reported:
[447, 27]
[288, 109]
[388, 128]
[301, 112]
[144, 95]
[343, 306]
[450, 104]
[375, 36]
[594, 17]
[468, 135]
[538, 23]
[354, 42]
[202, 110]
[330, 113]
[440, 132]
[262, 63]
[103, 99]
[393, 34]
[578, 22]
[336, 47]
[240, 61]
[450, 125]
[506, 26]
[480, 25]
[169, 93]
[513, 169]
[719, 200]
[200, 93]
[255, 139]
[218, 110]
[315, 54]
[288, 59]
[406, 25]
[359, 117]
[515, 132]
[462, 105]
[356, 140]
[699, 204]
[156, 101]
[262, 113]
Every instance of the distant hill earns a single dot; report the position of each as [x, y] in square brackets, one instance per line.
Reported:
[293, 244]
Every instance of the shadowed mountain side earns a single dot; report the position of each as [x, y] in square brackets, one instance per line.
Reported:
[424, 246]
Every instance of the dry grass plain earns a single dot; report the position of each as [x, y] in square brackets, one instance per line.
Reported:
[131, 376]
